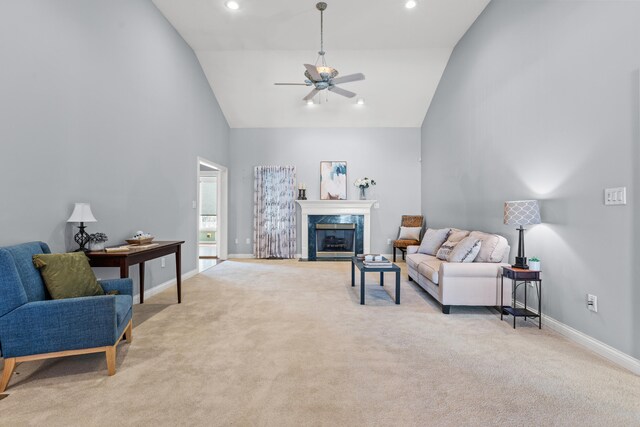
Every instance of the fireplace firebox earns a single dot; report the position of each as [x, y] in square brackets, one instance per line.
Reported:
[335, 240]
[335, 237]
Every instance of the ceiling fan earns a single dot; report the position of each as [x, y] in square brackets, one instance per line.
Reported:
[321, 76]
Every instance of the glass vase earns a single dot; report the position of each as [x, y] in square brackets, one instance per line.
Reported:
[363, 193]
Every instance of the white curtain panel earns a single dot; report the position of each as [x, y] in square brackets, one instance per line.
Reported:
[274, 223]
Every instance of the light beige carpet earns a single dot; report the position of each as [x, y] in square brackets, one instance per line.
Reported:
[287, 343]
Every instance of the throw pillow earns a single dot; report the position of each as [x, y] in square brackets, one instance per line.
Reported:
[409, 233]
[489, 243]
[67, 275]
[457, 235]
[466, 250]
[432, 240]
[446, 248]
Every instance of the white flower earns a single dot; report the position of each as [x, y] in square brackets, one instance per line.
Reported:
[364, 182]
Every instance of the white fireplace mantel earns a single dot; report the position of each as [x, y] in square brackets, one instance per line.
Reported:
[335, 207]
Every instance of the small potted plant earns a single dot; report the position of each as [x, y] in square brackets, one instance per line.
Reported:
[363, 184]
[96, 241]
[534, 264]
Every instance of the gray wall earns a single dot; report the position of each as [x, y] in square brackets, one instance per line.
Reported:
[540, 100]
[388, 155]
[103, 102]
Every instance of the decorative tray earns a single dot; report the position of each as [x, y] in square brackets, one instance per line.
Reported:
[142, 241]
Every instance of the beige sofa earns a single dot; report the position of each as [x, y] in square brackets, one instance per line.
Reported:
[475, 283]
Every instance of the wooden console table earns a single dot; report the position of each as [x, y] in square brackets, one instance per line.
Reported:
[138, 256]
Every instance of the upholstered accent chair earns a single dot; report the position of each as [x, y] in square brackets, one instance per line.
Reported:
[33, 326]
[407, 221]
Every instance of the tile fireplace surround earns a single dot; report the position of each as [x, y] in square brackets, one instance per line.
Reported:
[334, 207]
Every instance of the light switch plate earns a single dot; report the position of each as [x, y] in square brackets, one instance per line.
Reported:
[615, 196]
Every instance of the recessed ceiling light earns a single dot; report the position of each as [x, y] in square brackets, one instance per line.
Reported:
[233, 5]
[309, 101]
[410, 4]
[360, 101]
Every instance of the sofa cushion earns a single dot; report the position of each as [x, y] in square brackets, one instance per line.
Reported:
[492, 248]
[123, 305]
[409, 233]
[414, 260]
[12, 293]
[405, 243]
[432, 240]
[501, 252]
[466, 250]
[430, 269]
[67, 275]
[29, 275]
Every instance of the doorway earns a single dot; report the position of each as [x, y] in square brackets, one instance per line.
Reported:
[211, 214]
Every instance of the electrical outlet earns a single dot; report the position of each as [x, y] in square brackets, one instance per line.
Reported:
[248, 241]
[163, 262]
[592, 303]
[376, 205]
[388, 241]
[237, 241]
[194, 205]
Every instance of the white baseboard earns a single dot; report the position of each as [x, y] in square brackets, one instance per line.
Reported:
[612, 354]
[298, 256]
[241, 256]
[162, 286]
[251, 256]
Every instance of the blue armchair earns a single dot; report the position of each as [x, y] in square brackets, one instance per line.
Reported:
[33, 326]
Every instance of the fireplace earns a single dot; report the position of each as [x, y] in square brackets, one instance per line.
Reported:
[335, 237]
[335, 240]
[313, 212]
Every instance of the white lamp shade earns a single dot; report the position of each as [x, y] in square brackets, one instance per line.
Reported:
[82, 213]
[522, 212]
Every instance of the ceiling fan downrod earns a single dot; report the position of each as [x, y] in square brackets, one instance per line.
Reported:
[321, 6]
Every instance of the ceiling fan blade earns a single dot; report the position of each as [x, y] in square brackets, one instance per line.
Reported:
[347, 79]
[313, 72]
[340, 91]
[311, 94]
[291, 84]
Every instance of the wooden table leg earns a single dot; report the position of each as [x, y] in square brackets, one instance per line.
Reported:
[179, 273]
[362, 287]
[141, 267]
[124, 270]
[382, 278]
[398, 287]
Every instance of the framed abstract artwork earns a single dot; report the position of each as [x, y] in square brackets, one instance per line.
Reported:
[333, 180]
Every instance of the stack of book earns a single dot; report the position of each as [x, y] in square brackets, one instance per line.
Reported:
[385, 263]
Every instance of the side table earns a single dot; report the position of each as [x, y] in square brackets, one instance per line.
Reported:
[355, 262]
[519, 277]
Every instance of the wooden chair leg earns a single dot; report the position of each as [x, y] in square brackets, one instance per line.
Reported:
[9, 367]
[394, 254]
[128, 333]
[111, 360]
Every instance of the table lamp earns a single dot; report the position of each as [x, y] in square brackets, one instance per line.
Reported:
[521, 212]
[82, 213]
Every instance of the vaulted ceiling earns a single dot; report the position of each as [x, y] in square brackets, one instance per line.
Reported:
[401, 51]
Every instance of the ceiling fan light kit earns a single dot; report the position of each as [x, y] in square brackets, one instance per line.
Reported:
[321, 76]
[233, 5]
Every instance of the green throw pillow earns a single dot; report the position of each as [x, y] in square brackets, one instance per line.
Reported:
[67, 275]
